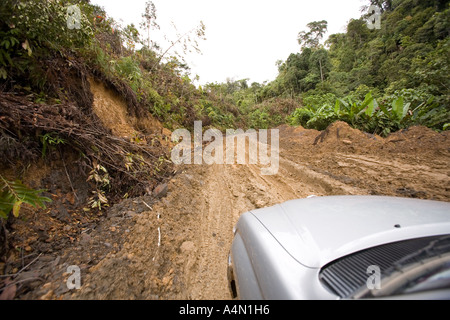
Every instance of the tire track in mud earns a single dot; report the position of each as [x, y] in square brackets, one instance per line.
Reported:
[230, 191]
[215, 224]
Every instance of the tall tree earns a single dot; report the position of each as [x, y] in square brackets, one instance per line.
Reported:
[149, 19]
[320, 59]
[312, 38]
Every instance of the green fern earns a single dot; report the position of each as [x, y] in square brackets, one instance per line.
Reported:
[14, 194]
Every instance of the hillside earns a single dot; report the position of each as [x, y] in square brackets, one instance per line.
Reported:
[377, 80]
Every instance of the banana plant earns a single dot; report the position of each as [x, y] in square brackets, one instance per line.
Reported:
[398, 111]
[372, 105]
[353, 110]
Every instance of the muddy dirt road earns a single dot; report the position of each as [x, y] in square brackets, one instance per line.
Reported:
[178, 249]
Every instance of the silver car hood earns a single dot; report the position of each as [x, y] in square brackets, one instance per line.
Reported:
[318, 230]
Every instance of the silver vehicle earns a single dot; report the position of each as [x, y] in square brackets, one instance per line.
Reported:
[343, 247]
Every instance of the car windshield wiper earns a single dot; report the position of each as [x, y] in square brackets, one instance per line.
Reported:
[397, 282]
[434, 281]
[434, 248]
[408, 269]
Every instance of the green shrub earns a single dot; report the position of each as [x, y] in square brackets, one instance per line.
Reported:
[127, 68]
[315, 100]
[300, 116]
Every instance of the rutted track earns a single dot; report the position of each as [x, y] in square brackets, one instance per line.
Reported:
[197, 216]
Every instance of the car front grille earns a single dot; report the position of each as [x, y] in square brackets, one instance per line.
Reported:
[348, 275]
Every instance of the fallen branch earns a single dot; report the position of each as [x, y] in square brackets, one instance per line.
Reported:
[85, 133]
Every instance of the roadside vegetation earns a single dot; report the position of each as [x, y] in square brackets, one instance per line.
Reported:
[405, 62]
[378, 81]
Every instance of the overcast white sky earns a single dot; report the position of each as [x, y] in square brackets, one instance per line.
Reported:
[245, 38]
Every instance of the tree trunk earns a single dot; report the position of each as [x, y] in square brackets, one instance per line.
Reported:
[321, 72]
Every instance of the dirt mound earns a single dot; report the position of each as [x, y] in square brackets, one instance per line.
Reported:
[297, 135]
[340, 133]
[408, 163]
[340, 136]
[419, 139]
